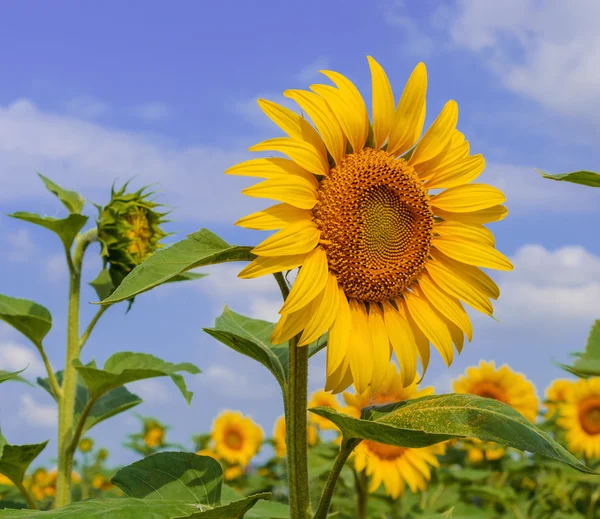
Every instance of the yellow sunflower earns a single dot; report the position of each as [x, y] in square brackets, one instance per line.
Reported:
[395, 467]
[6, 481]
[312, 437]
[323, 399]
[385, 260]
[237, 439]
[580, 417]
[556, 394]
[479, 451]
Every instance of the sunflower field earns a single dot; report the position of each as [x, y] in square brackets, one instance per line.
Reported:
[379, 238]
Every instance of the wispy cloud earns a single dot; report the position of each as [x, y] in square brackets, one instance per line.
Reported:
[152, 111]
[86, 107]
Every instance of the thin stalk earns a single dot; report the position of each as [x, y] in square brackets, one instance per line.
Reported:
[362, 496]
[27, 495]
[54, 385]
[79, 429]
[90, 328]
[66, 403]
[329, 489]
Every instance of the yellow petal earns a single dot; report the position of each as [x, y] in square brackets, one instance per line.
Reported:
[403, 343]
[275, 217]
[447, 305]
[472, 232]
[339, 334]
[382, 351]
[291, 123]
[339, 380]
[349, 108]
[483, 216]
[262, 266]
[457, 174]
[318, 110]
[467, 198]
[360, 350]
[437, 136]
[382, 103]
[301, 152]
[291, 190]
[458, 337]
[326, 308]
[290, 325]
[409, 117]
[458, 283]
[457, 148]
[297, 238]
[431, 325]
[272, 167]
[311, 281]
[421, 340]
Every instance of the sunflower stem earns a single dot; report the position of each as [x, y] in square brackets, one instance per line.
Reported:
[325, 501]
[66, 402]
[362, 496]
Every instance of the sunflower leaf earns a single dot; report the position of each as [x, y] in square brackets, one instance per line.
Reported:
[66, 228]
[125, 367]
[197, 250]
[585, 178]
[15, 459]
[6, 375]
[72, 200]
[433, 419]
[32, 320]
[587, 363]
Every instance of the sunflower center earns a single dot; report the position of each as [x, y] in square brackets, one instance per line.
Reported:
[233, 439]
[589, 415]
[489, 390]
[376, 224]
[139, 233]
[384, 452]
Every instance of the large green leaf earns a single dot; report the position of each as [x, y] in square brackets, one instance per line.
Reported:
[588, 362]
[5, 375]
[32, 320]
[585, 178]
[114, 402]
[197, 250]
[73, 201]
[432, 419]
[66, 228]
[15, 459]
[125, 367]
[261, 510]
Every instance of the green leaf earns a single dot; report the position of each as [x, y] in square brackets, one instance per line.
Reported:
[251, 338]
[73, 201]
[5, 375]
[588, 362]
[197, 250]
[32, 320]
[114, 402]
[15, 459]
[432, 419]
[103, 284]
[124, 367]
[66, 228]
[585, 178]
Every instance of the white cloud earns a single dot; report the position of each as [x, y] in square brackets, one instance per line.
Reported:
[37, 414]
[14, 357]
[310, 73]
[21, 246]
[151, 391]
[415, 41]
[86, 107]
[232, 383]
[88, 157]
[152, 111]
[548, 51]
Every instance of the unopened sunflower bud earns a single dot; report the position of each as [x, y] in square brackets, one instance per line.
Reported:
[86, 444]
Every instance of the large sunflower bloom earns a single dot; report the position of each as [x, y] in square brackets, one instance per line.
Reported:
[236, 438]
[385, 261]
[395, 467]
[580, 417]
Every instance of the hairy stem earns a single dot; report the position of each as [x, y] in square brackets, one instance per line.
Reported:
[66, 403]
[27, 495]
[54, 385]
[325, 501]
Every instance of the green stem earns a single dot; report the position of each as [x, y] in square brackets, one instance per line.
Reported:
[66, 404]
[26, 494]
[90, 328]
[325, 501]
[362, 496]
[54, 385]
[79, 429]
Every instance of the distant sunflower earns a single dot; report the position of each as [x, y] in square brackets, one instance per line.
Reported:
[312, 437]
[479, 451]
[237, 439]
[385, 260]
[580, 417]
[395, 467]
[556, 394]
[323, 399]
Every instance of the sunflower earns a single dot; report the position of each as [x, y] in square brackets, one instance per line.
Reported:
[556, 394]
[385, 261]
[323, 399]
[312, 437]
[395, 467]
[86, 445]
[236, 438]
[580, 417]
[154, 436]
[479, 451]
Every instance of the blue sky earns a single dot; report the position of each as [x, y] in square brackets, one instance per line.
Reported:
[95, 93]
